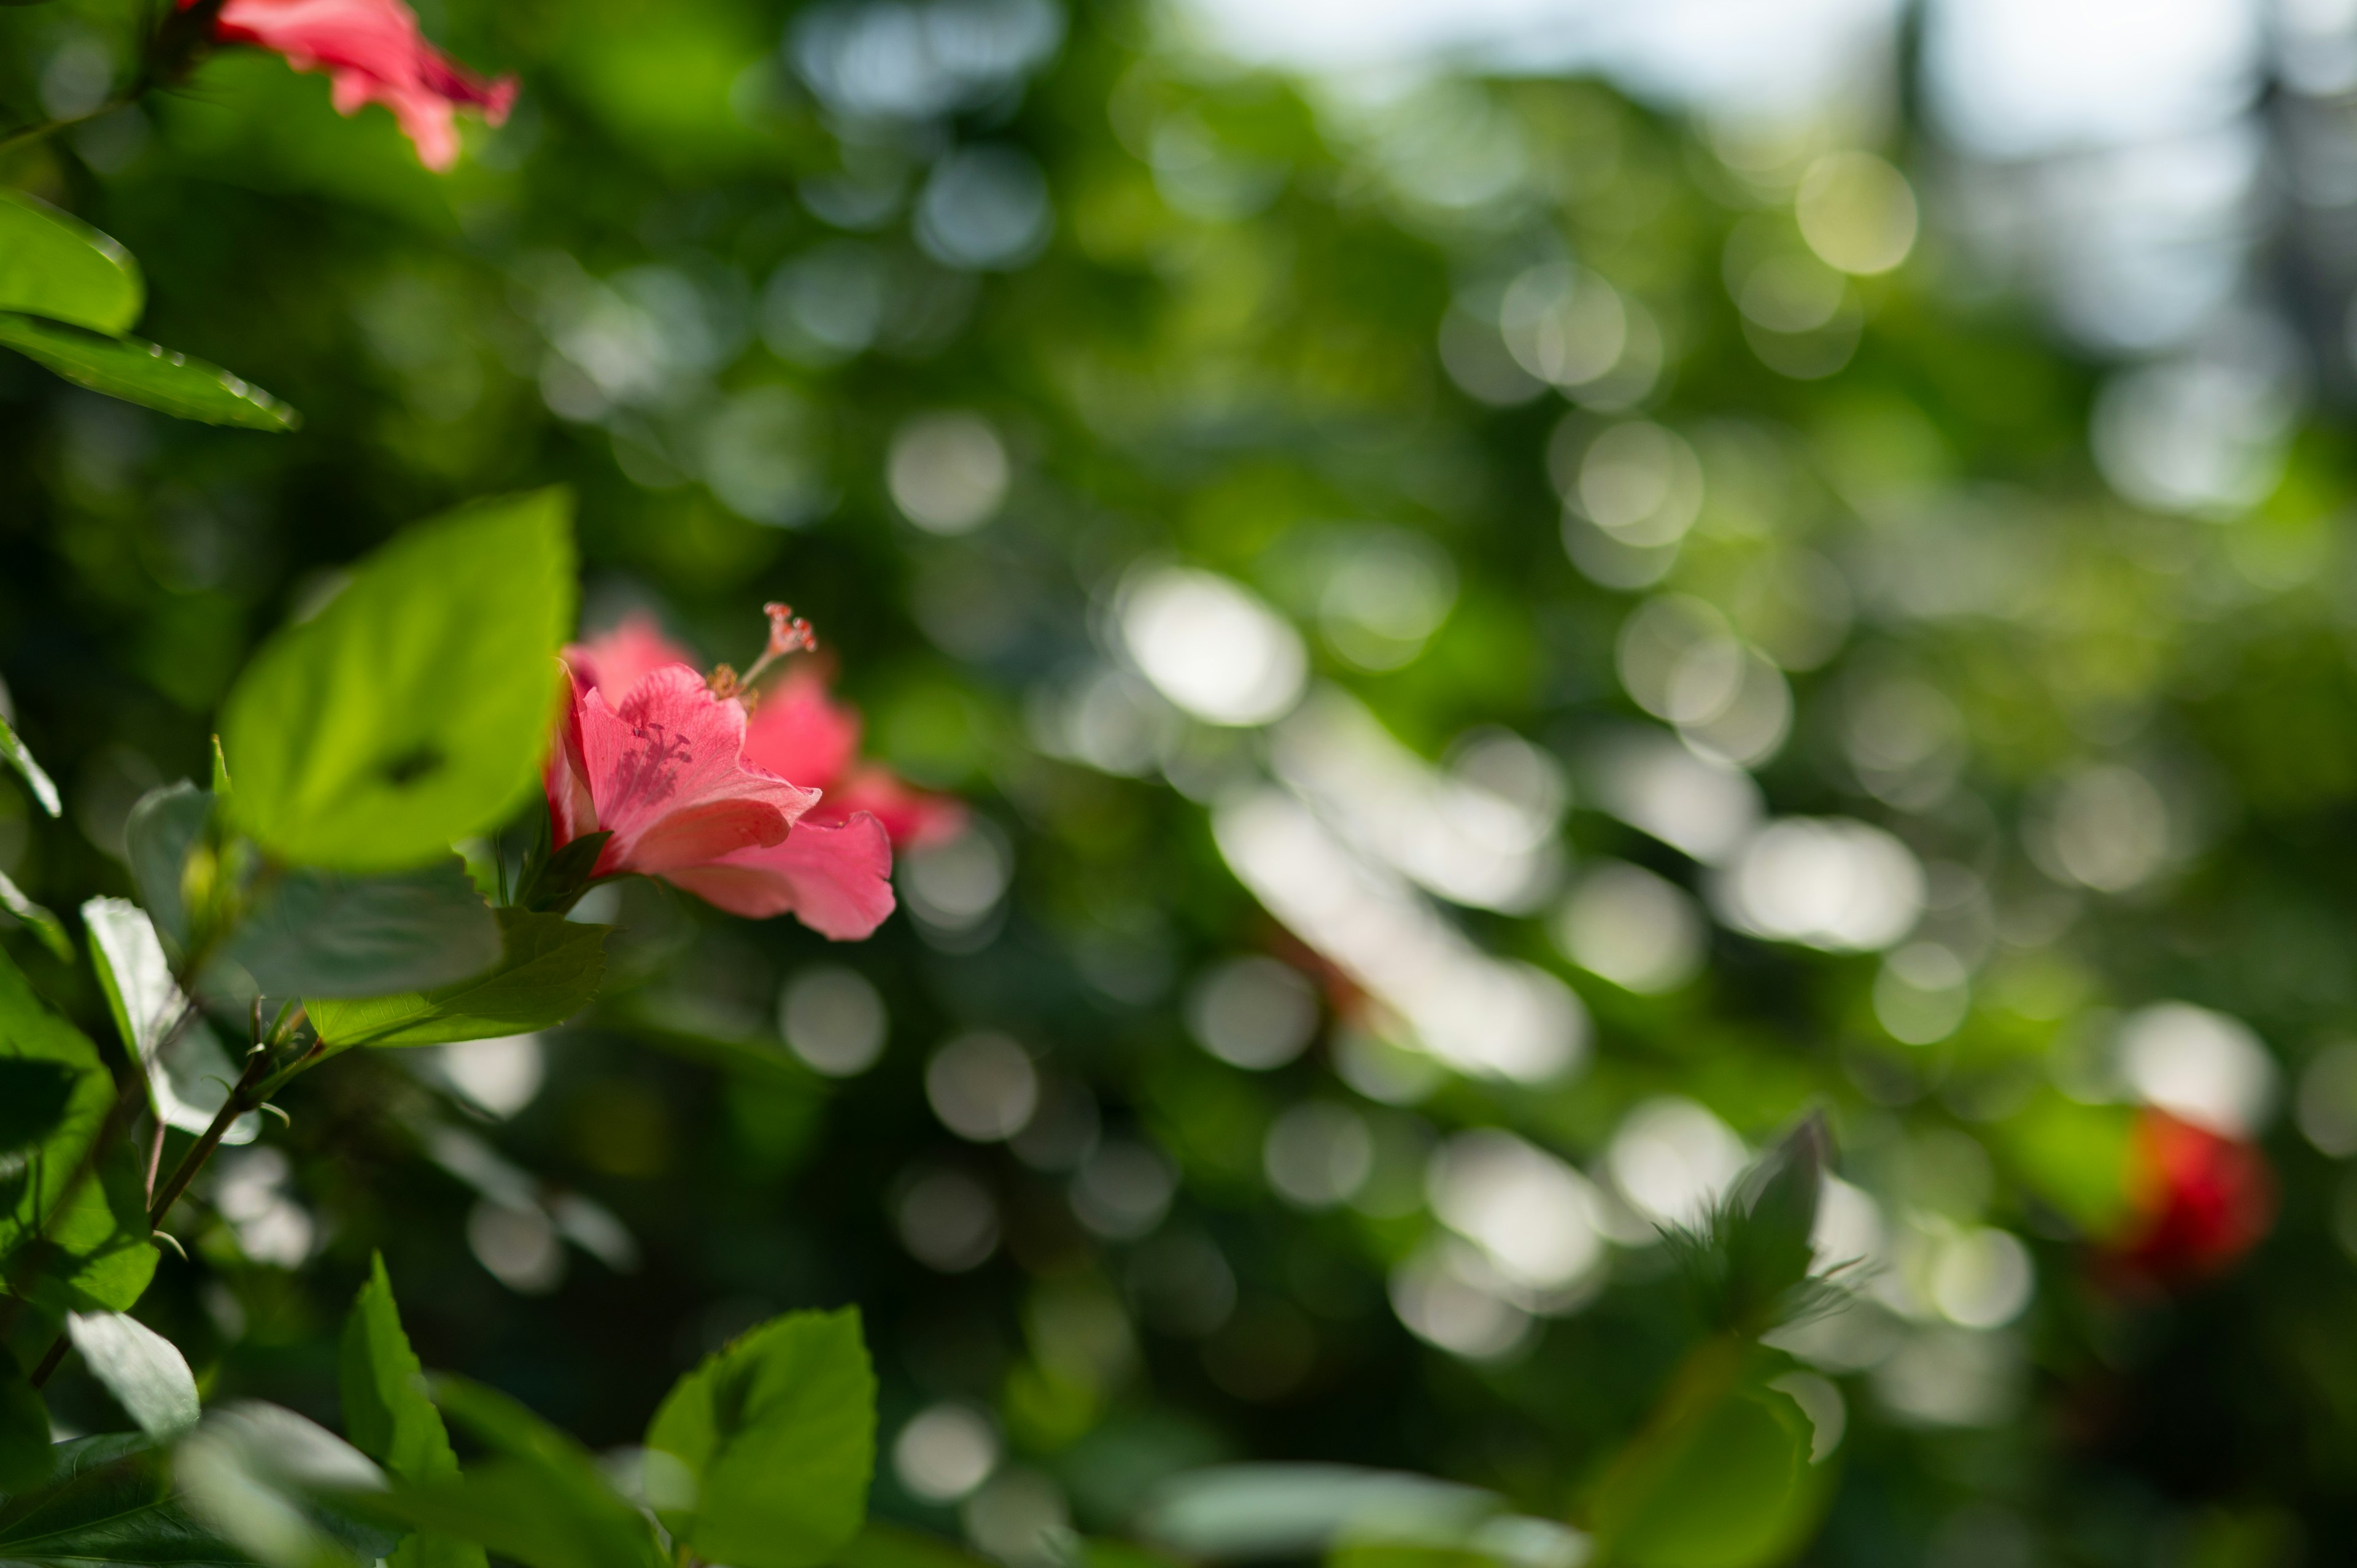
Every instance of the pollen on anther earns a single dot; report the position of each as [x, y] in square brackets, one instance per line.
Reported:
[789, 633]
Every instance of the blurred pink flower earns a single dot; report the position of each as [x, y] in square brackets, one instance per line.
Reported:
[373, 53]
[831, 869]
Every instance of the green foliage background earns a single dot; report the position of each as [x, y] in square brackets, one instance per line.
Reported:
[1224, 350]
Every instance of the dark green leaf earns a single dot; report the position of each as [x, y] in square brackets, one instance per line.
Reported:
[56, 265]
[415, 708]
[43, 924]
[163, 828]
[145, 373]
[33, 1096]
[108, 1501]
[323, 933]
[539, 1499]
[26, 1453]
[389, 1416]
[778, 1429]
[557, 878]
[548, 971]
[13, 753]
[96, 1253]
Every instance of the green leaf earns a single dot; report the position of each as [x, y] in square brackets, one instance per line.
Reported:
[145, 373]
[189, 1072]
[56, 265]
[33, 1096]
[549, 971]
[145, 1371]
[97, 1253]
[327, 934]
[274, 1483]
[109, 1500]
[389, 1416]
[1721, 1475]
[539, 1499]
[26, 1453]
[778, 1429]
[13, 753]
[44, 925]
[414, 710]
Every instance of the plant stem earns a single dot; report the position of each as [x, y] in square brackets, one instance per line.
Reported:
[241, 1098]
[40, 128]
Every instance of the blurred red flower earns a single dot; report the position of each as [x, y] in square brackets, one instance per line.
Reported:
[2200, 1201]
[373, 53]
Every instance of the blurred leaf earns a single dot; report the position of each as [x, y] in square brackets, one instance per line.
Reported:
[145, 1371]
[1294, 1510]
[56, 265]
[389, 1415]
[895, 1546]
[108, 1500]
[1719, 1479]
[97, 1253]
[777, 1429]
[26, 1453]
[327, 934]
[540, 1500]
[163, 827]
[548, 971]
[43, 924]
[33, 1096]
[13, 753]
[415, 708]
[188, 1075]
[275, 1484]
[145, 373]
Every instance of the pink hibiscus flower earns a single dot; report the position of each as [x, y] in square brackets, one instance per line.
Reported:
[829, 867]
[373, 53]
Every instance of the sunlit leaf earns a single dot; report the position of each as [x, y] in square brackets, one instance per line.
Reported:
[92, 1251]
[13, 753]
[273, 1482]
[145, 1371]
[540, 1499]
[189, 1074]
[390, 1419]
[414, 710]
[38, 919]
[548, 971]
[778, 1433]
[146, 373]
[56, 265]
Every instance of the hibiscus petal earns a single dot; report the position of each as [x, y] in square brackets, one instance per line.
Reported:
[673, 748]
[373, 53]
[698, 834]
[913, 816]
[800, 733]
[616, 659]
[835, 880]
